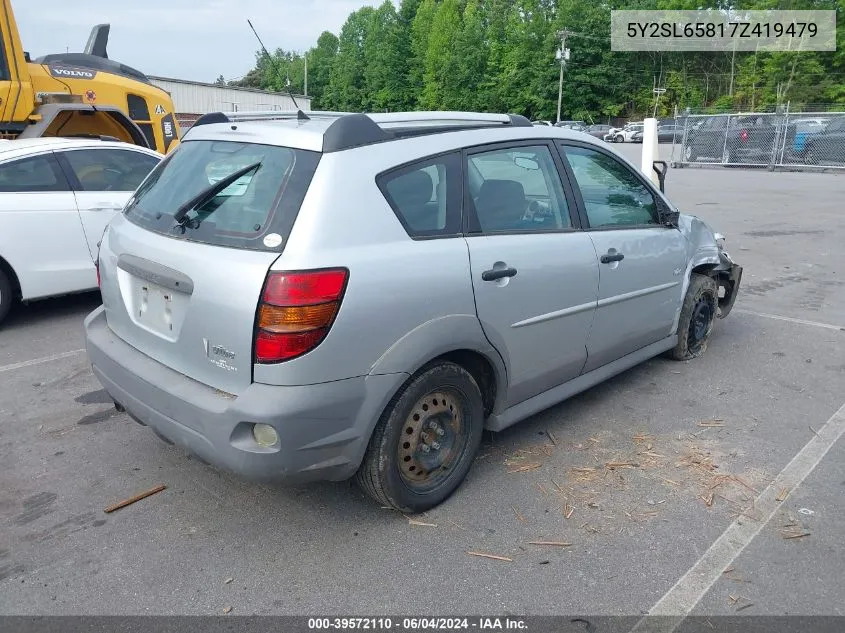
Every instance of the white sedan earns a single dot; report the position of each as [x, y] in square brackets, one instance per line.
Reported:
[625, 134]
[57, 195]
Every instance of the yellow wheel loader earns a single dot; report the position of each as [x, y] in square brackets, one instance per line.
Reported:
[79, 94]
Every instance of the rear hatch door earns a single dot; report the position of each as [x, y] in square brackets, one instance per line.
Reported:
[182, 272]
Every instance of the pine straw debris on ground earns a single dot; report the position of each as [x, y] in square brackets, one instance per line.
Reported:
[596, 470]
[793, 529]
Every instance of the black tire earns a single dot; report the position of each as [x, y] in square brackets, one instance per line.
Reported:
[450, 398]
[6, 296]
[698, 314]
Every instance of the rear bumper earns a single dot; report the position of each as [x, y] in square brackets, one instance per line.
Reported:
[323, 429]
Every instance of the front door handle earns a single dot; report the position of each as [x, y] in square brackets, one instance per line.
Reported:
[609, 258]
[105, 206]
[498, 273]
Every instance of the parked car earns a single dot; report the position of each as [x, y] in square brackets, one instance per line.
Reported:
[56, 197]
[547, 123]
[748, 139]
[793, 140]
[826, 147]
[360, 295]
[598, 130]
[669, 133]
[579, 126]
[610, 136]
[665, 134]
[626, 134]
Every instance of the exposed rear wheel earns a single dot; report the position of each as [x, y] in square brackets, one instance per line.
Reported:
[6, 296]
[697, 317]
[426, 440]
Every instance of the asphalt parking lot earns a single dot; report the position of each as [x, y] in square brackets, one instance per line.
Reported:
[641, 476]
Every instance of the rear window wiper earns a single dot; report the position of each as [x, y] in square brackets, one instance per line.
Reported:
[210, 192]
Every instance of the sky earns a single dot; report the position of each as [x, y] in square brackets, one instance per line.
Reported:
[184, 39]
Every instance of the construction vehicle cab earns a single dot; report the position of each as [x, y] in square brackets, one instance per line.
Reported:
[79, 94]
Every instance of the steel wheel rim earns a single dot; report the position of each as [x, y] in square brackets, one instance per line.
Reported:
[432, 440]
[700, 323]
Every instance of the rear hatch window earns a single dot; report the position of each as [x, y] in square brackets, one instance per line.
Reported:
[197, 194]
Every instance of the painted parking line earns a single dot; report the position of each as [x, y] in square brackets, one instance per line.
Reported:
[777, 317]
[682, 598]
[40, 361]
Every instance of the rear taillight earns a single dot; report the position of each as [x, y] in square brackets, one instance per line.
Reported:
[296, 311]
[744, 135]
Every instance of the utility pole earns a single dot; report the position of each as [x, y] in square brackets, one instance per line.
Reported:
[306, 73]
[754, 85]
[733, 68]
[563, 56]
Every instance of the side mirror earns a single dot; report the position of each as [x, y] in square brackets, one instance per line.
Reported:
[660, 168]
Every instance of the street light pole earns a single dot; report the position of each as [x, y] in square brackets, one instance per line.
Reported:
[560, 92]
[563, 54]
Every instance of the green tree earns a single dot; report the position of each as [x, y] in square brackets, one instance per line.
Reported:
[404, 25]
[384, 69]
[346, 89]
[420, 33]
[439, 87]
[321, 59]
[467, 67]
[499, 55]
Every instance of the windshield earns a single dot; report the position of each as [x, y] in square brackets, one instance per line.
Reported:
[263, 201]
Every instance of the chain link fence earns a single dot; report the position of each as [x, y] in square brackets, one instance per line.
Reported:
[762, 139]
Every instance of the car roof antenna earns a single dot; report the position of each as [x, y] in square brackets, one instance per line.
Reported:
[300, 115]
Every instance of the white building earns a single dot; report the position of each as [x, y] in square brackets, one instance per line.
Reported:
[192, 99]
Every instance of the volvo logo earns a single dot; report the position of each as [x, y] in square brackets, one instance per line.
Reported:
[72, 73]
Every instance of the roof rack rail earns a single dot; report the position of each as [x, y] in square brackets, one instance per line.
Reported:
[263, 115]
[350, 130]
[449, 117]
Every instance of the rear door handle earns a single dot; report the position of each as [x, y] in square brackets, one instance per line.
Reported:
[498, 273]
[612, 257]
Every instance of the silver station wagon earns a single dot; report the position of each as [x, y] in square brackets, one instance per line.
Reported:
[296, 296]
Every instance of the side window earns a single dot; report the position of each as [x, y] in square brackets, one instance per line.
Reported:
[33, 175]
[612, 193]
[110, 169]
[426, 195]
[517, 189]
[140, 114]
